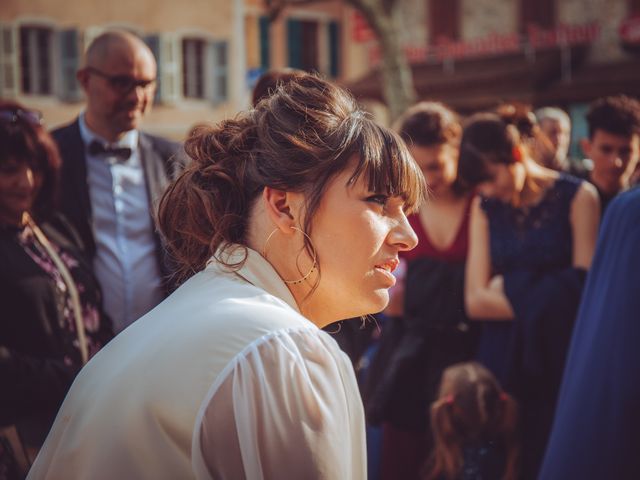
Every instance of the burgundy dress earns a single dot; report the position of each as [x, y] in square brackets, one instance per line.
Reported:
[428, 347]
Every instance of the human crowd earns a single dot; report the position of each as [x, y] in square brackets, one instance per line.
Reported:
[169, 311]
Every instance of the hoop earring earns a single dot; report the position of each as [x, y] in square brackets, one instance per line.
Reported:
[315, 256]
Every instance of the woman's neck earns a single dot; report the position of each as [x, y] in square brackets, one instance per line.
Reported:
[537, 181]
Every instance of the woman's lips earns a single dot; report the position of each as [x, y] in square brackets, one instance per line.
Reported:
[389, 265]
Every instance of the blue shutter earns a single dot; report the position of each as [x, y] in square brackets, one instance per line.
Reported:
[9, 61]
[294, 43]
[334, 49]
[153, 42]
[265, 50]
[218, 71]
[69, 43]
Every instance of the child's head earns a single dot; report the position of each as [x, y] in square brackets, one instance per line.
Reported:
[471, 408]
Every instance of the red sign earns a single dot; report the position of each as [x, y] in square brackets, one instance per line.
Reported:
[360, 29]
[630, 30]
[500, 44]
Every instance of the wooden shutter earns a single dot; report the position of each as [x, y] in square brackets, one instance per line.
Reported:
[9, 78]
[444, 20]
[265, 47]
[68, 49]
[217, 76]
[294, 43]
[334, 48]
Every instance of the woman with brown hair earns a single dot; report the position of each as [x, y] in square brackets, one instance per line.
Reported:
[427, 329]
[531, 240]
[290, 217]
[51, 319]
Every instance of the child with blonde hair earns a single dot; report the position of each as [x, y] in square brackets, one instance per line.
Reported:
[474, 424]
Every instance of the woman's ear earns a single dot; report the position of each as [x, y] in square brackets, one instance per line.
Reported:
[282, 208]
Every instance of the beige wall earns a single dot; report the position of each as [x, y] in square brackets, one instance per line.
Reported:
[608, 13]
[481, 18]
[210, 18]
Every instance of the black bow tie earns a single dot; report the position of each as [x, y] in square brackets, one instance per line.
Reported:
[97, 148]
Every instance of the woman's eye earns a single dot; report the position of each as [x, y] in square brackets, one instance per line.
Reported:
[379, 199]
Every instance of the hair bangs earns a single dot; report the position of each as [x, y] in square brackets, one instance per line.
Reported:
[389, 167]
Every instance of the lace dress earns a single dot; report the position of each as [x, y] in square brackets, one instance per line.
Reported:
[536, 238]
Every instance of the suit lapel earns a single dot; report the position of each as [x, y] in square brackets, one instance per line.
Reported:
[76, 202]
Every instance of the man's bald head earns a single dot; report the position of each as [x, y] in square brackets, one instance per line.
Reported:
[116, 43]
[118, 78]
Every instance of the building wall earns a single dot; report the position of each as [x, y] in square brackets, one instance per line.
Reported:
[232, 21]
[608, 13]
[480, 18]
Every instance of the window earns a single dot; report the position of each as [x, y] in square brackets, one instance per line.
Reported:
[444, 20]
[35, 60]
[541, 13]
[314, 46]
[204, 69]
[302, 36]
[193, 51]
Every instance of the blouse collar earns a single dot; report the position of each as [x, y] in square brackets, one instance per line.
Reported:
[256, 270]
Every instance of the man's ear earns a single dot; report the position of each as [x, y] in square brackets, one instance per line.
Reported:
[282, 208]
[83, 78]
[585, 144]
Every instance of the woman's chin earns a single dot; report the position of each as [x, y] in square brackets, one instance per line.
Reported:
[378, 302]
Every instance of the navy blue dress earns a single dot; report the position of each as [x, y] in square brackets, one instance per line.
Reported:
[596, 429]
[535, 239]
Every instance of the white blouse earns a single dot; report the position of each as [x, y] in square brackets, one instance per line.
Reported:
[287, 408]
[223, 380]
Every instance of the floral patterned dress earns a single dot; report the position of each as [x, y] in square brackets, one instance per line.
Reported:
[39, 346]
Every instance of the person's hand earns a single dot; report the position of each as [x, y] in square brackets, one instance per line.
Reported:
[496, 284]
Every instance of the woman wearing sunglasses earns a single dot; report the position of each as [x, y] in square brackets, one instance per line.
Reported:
[51, 320]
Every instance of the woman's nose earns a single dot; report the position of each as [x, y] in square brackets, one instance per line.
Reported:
[402, 236]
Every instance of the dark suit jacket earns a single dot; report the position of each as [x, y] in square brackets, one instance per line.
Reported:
[160, 160]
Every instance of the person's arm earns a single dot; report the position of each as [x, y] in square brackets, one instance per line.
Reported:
[585, 219]
[484, 297]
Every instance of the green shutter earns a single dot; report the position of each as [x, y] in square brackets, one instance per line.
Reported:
[153, 42]
[334, 49]
[294, 43]
[265, 50]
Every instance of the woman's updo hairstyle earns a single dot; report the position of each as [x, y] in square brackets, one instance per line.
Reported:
[297, 139]
[486, 139]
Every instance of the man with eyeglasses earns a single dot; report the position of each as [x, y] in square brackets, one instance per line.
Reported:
[113, 175]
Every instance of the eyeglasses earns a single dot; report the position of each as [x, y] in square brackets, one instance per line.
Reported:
[14, 115]
[122, 84]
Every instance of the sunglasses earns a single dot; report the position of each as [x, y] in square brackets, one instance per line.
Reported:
[15, 115]
[122, 84]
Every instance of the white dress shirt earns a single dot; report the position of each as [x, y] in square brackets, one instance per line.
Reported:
[225, 379]
[125, 263]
